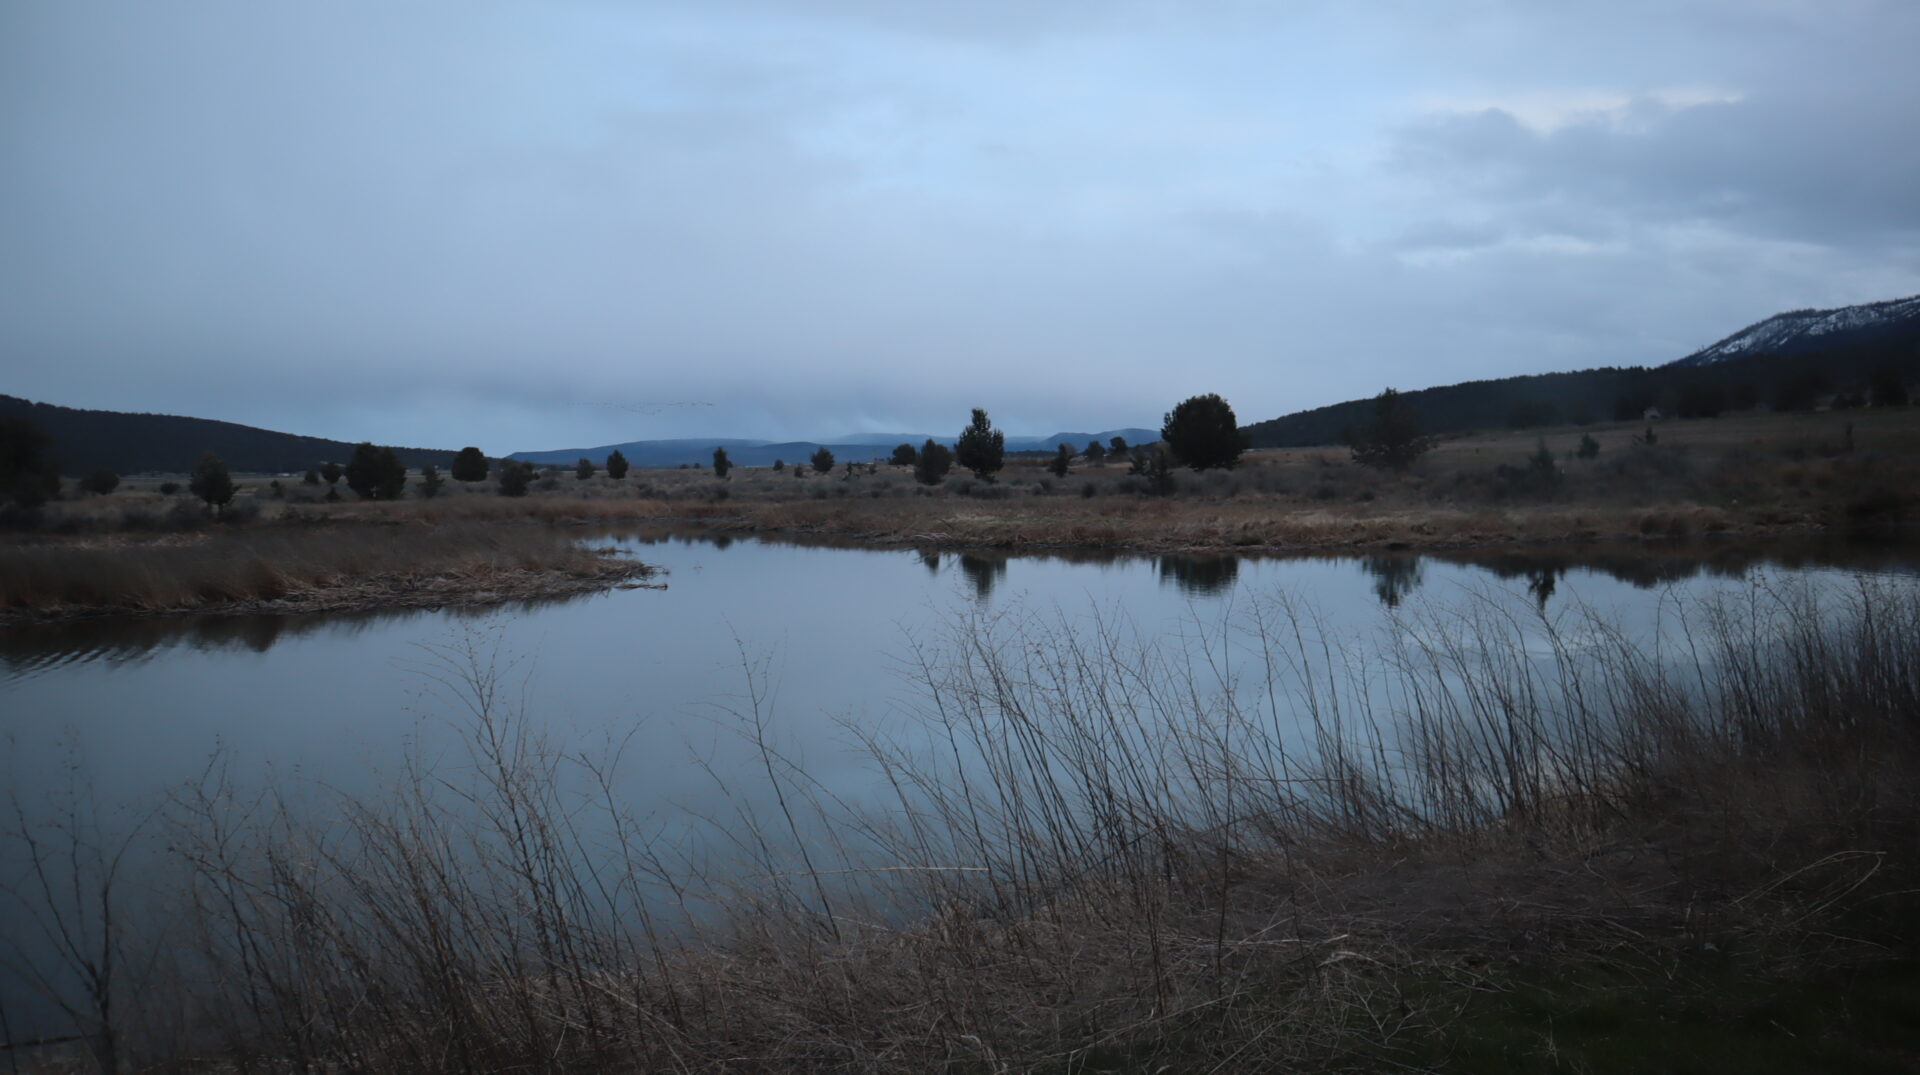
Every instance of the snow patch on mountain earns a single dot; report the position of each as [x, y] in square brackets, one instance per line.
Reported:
[1808, 330]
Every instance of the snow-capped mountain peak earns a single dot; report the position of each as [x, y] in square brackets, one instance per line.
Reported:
[1811, 330]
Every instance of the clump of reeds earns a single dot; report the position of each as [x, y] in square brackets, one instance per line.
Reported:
[1242, 852]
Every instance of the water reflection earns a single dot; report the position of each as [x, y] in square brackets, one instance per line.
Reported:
[983, 572]
[1394, 576]
[1200, 576]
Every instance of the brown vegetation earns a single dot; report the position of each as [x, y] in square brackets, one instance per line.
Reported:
[298, 569]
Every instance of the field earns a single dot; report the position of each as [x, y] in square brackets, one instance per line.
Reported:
[1757, 476]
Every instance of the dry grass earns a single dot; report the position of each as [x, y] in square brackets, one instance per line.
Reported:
[1096, 860]
[1751, 475]
[297, 568]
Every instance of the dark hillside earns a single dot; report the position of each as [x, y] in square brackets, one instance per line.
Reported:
[1843, 373]
[164, 443]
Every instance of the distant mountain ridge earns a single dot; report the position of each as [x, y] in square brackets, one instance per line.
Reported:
[129, 443]
[1841, 348]
[759, 453]
[1801, 331]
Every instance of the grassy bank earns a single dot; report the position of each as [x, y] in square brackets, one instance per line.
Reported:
[1488, 841]
[1757, 476]
[333, 566]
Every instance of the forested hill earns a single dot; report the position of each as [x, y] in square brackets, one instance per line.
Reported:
[1777, 381]
[164, 443]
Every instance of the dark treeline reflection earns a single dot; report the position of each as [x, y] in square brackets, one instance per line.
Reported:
[132, 639]
[1396, 576]
[1200, 576]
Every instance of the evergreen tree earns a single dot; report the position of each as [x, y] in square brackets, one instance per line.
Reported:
[981, 448]
[1117, 446]
[932, 462]
[1203, 432]
[1062, 459]
[616, 465]
[904, 455]
[430, 481]
[331, 472]
[470, 465]
[311, 477]
[1886, 388]
[29, 474]
[102, 481]
[584, 469]
[211, 483]
[375, 473]
[779, 465]
[515, 476]
[1096, 452]
[823, 461]
[721, 464]
[1393, 440]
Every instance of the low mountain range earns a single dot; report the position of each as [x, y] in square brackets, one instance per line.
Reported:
[1799, 356]
[1828, 352]
[759, 453]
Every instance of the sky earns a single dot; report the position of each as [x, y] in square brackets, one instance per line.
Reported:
[569, 223]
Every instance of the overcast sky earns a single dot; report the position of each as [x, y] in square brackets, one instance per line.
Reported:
[563, 224]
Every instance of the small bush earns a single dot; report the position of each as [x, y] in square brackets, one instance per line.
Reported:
[102, 481]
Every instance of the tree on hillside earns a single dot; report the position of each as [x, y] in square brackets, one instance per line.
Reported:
[616, 465]
[211, 483]
[981, 448]
[1392, 440]
[375, 473]
[515, 476]
[904, 455]
[1096, 452]
[932, 463]
[721, 464]
[822, 461]
[1886, 388]
[584, 469]
[1203, 432]
[470, 465]
[28, 472]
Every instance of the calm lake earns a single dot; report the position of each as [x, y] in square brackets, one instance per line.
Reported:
[138, 706]
[104, 720]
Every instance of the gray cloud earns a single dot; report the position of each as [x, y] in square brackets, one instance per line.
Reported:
[478, 224]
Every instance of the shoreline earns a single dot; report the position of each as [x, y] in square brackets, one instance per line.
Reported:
[601, 571]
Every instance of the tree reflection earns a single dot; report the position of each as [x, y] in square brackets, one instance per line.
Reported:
[983, 572]
[1394, 577]
[1200, 576]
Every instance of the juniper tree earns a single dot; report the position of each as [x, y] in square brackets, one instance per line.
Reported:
[904, 455]
[470, 465]
[932, 462]
[584, 469]
[1062, 459]
[721, 464]
[616, 465]
[823, 461]
[375, 473]
[981, 448]
[1203, 432]
[211, 483]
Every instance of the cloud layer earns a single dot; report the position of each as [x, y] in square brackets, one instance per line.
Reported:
[526, 225]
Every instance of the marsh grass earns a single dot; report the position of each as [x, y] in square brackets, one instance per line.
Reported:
[1254, 850]
[340, 566]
